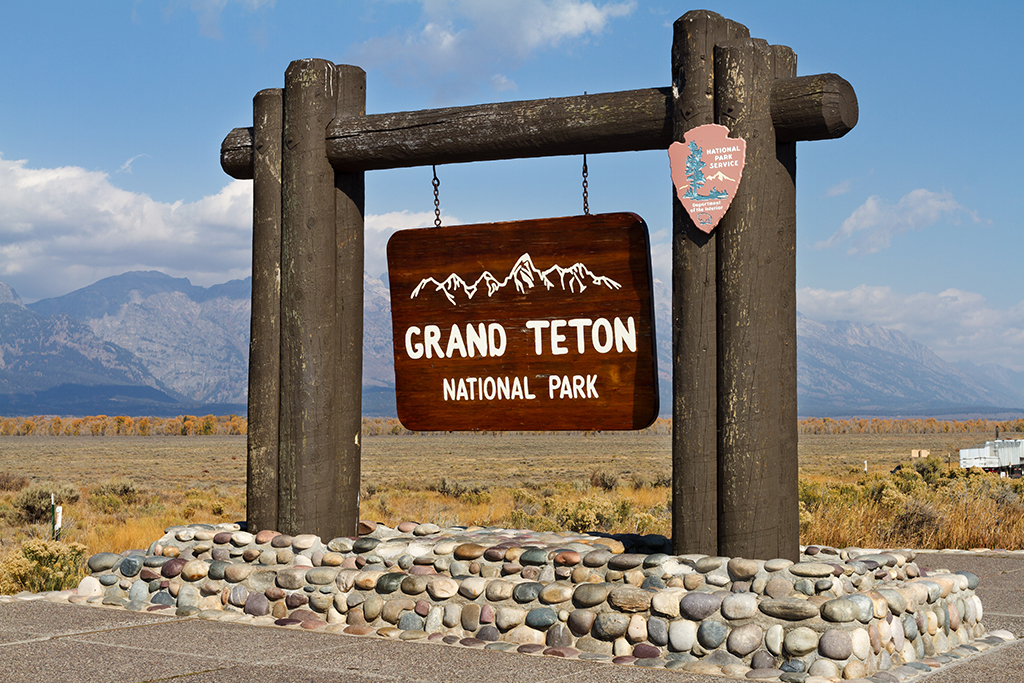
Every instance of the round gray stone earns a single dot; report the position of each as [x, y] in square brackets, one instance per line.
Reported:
[626, 561]
[541, 618]
[534, 557]
[130, 566]
[590, 594]
[744, 639]
[801, 641]
[699, 606]
[839, 611]
[559, 635]
[610, 625]
[739, 606]
[257, 605]
[835, 644]
[711, 634]
[101, 562]
[657, 631]
[528, 591]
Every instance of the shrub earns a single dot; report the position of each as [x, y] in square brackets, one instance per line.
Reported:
[586, 514]
[12, 482]
[125, 489]
[605, 479]
[42, 565]
[33, 503]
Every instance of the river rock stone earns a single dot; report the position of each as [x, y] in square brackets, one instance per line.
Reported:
[610, 625]
[629, 599]
[741, 569]
[840, 610]
[801, 641]
[711, 634]
[528, 591]
[699, 606]
[744, 639]
[555, 593]
[739, 606]
[835, 644]
[541, 618]
[790, 609]
[682, 634]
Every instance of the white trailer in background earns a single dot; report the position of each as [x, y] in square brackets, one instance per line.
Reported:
[1005, 456]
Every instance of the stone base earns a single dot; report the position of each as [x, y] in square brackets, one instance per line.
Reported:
[836, 613]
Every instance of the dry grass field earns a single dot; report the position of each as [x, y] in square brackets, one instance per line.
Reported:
[121, 491]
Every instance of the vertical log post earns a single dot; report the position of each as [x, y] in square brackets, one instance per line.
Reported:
[756, 263]
[784, 66]
[309, 435]
[349, 199]
[265, 327]
[694, 314]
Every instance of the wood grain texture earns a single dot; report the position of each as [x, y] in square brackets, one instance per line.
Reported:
[265, 327]
[694, 313]
[806, 108]
[502, 276]
[755, 263]
[309, 344]
[349, 201]
[784, 67]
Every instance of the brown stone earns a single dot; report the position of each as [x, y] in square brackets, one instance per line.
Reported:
[469, 551]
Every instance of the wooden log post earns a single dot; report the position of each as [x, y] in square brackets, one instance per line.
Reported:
[265, 324]
[694, 315]
[756, 264]
[349, 202]
[315, 485]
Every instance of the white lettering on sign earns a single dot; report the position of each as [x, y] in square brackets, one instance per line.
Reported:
[604, 334]
[487, 389]
[483, 340]
[577, 386]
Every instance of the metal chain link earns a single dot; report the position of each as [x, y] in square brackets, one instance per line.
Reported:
[586, 203]
[437, 201]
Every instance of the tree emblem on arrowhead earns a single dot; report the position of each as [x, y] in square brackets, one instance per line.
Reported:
[706, 172]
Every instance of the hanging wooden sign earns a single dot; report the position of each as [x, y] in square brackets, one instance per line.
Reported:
[539, 325]
[706, 171]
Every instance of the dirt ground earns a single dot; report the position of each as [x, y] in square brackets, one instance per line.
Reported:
[507, 460]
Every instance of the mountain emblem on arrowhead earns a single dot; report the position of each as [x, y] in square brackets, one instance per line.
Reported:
[524, 276]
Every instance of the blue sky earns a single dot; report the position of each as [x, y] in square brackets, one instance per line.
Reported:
[112, 116]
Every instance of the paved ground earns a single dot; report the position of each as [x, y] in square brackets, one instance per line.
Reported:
[42, 641]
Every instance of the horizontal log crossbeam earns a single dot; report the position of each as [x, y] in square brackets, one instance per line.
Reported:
[818, 107]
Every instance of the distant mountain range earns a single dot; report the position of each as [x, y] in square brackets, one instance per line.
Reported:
[147, 343]
[524, 276]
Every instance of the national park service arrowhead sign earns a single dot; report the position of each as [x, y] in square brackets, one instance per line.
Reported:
[706, 171]
[532, 325]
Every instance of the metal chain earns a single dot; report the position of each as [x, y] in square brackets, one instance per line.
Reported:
[586, 203]
[437, 201]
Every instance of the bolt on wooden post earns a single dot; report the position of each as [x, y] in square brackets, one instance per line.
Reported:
[734, 313]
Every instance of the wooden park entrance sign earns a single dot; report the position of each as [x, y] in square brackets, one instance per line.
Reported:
[734, 438]
[543, 324]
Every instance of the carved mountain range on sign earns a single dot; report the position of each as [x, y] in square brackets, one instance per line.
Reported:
[524, 276]
[718, 176]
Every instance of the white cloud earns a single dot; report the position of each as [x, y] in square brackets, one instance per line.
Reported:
[64, 228]
[470, 40]
[955, 324]
[380, 228]
[872, 225]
